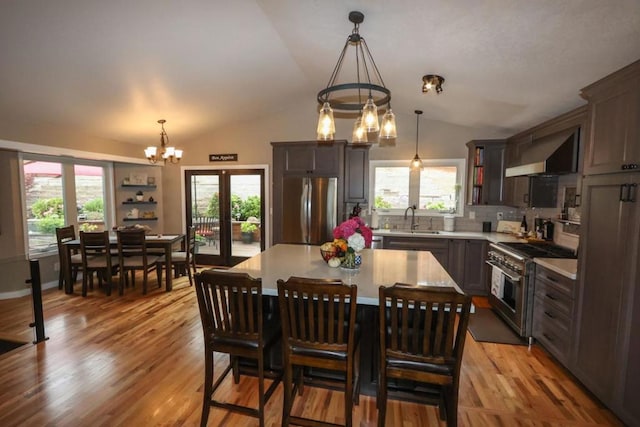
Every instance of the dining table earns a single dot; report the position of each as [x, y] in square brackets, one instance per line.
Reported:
[163, 241]
[379, 267]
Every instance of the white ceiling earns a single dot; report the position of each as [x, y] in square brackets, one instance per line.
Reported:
[112, 68]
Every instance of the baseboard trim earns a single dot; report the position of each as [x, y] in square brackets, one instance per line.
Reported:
[26, 291]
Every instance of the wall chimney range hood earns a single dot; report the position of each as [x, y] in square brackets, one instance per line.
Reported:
[555, 154]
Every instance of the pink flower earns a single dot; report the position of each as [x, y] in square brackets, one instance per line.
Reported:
[351, 226]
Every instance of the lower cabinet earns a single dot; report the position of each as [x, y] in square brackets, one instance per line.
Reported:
[464, 259]
[553, 312]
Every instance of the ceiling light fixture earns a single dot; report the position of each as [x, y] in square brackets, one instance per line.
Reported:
[165, 153]
[416, 163]
[348, 97]
[431, 81]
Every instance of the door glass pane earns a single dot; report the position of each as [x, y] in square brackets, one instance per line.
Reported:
[90, 194]
[391, 187]
[44, 204]
[246, 215]
[438, 190]
[205, 213]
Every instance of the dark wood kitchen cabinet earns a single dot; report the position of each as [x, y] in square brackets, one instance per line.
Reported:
[310, 158]
[438, 247]
[356, 173]
[467, 265]
[553, 312]
[613, 144]
[606, 352]
[486, 171]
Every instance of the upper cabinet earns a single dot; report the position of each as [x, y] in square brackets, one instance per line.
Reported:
[486, 171]
[614, 122]
[356, 173]
[309, 158]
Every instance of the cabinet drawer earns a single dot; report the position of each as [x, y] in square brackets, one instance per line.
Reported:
[560, 283]
[552, 329]
[553, 296]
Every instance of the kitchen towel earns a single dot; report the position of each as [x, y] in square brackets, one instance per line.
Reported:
[497, 283]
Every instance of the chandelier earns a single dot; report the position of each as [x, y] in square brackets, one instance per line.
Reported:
[170, 154]
[348, 97]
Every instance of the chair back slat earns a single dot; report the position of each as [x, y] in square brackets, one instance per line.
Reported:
[423, 324]
[94, 243]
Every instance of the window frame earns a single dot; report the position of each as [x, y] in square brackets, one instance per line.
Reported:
[414, 185]
[68, 194]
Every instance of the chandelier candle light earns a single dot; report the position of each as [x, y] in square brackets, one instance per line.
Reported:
[165, 153]
[347, 97]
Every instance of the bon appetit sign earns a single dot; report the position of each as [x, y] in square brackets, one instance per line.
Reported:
[223, 157]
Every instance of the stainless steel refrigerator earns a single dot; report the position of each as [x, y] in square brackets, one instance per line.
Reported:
[309, 209]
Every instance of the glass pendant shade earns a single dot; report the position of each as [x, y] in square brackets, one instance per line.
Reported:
[388, 127]
[416, 163]
[370, 116]
[326, 124]
[150, 152]
[359, 132]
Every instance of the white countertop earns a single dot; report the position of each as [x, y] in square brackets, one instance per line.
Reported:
[566, 267]
[379, 267]
[492, 237]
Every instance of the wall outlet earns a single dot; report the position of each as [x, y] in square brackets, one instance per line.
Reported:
[500, 216]
[472, 215]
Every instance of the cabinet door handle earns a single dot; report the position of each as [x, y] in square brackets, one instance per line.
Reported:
[631, 194]
[551, 297]
[551, 279]
[623, 187]
[547, 337]
[549, 315]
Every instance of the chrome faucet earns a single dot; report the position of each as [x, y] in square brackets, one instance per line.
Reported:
[413, 216]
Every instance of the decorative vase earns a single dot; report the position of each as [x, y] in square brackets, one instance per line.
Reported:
[351, 260]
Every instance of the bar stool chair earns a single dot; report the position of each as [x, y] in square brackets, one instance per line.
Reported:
[318, 331]
[235, 322]
[63, 235]
[422, 335]
[96, 258]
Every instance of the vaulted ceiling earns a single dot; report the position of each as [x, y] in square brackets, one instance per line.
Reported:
[112, 68]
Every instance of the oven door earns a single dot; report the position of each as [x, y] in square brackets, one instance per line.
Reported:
[507, 296]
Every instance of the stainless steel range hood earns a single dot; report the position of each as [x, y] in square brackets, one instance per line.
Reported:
[553, 155]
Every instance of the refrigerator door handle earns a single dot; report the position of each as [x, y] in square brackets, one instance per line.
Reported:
[304, 210]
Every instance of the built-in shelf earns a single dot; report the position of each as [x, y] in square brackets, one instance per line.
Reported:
[567, 221]
[141, 219]
[149, 186]
[140, 203]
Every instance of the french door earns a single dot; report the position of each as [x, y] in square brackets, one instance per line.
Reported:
[227, 208]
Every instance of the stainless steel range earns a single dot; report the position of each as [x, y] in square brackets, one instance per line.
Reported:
[512, 280]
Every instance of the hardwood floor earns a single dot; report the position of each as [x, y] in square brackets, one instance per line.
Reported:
[137, 360]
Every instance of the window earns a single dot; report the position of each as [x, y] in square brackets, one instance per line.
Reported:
[435, 189]
[58, 193]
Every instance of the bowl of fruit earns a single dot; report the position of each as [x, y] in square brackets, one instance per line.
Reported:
[328, 250]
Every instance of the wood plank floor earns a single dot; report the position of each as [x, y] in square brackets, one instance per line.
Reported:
[138, 361]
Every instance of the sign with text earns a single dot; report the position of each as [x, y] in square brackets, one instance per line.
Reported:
[223, 157]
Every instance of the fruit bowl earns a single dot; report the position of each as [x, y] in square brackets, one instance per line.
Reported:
[327, 255]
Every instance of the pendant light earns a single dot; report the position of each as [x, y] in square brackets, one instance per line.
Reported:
[416, 163]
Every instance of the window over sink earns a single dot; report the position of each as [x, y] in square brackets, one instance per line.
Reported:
[435, 189]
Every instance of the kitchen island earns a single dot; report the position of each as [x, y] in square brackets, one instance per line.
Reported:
[379, 268]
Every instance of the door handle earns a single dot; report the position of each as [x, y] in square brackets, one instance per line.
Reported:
[623, 187]
[631, 193]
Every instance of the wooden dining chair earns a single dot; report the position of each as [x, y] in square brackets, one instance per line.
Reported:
[235, 322]
[319, 331]
[182, 260]
[97, 258]
[63, 235]
[422, 335]
[133, 256]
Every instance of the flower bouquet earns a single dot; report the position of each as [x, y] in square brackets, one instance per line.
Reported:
[349, 238]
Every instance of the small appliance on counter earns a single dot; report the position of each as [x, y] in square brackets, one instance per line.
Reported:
[449, 223]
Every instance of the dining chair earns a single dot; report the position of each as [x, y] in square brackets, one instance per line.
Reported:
[182, 260]
[133, 256]
[319, 331]
[235, 322]
[96, 258]
[63, 235]
[422, 334]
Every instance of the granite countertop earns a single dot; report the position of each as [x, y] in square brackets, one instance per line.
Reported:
[566, 267]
